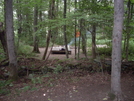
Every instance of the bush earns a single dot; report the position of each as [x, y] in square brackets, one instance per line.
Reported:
[25, 50]
[3, 87]
[131, 48]
[42, 43]
[2, 54]
[130, 51]
[58, 69]
[105, 51]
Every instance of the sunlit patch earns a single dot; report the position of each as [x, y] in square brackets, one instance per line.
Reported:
[44, 94]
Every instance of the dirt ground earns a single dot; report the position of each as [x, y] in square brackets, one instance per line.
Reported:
[58, 56]
[72, 85]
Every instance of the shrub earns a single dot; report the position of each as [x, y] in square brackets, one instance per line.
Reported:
[131, 48]
[58, 69]
[25, 50]
[3, 86]
[105, 51]
[2, 55]
[130, 51]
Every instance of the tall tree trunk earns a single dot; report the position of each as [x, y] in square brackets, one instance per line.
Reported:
[50, 16]
[94, 11]
[83, 31]
[36, 40]
[84, 38]
[93, 41]
[65, 38]
[128, 29]
[19, 16]
[116, 50]
[79, 44]
[10, 39]
[75, 31]
[40, 12]
[47, 45]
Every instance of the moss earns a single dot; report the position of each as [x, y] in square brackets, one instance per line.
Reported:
[111, 96]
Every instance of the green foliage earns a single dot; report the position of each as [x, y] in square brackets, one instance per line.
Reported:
[47, 75]
[3, 86]
[34, 89]
[58, 69]
[26, 88]
[4, 83]
[36, 80]
[4, 91]
[42, 43]
[50, 83]
[130, 51]
[105, 51]
[103, 42]
[131, 47]
[2, 55]
[24, 50]
[132, 1]
[102, 39]
[131, 57]
[1, 11]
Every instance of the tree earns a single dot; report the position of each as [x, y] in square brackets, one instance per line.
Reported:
[75, 29]
[65, 38]
[83, 36]
[50, 16]
[116, 50]
[95, 15]
[128, 28]
[19, 18]
[10, 39]
[94, 11]
[93, 41]
[35, 37]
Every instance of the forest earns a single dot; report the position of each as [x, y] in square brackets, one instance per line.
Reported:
[66, 50]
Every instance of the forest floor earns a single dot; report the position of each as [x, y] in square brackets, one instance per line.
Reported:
[58, 56]
[70, 85]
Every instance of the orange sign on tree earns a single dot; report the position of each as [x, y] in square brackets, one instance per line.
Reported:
[77, 33]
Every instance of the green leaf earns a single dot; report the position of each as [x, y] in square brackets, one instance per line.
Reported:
[132, 1]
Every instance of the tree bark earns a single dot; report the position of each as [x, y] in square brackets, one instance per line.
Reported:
[13, 66]
[65, 38]
[75, 31]
[128, 29]
[84, 38]
[19, 16]
[36, 40]
[116, 50]
[93, 41]
[47, 45]
[50, 16]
